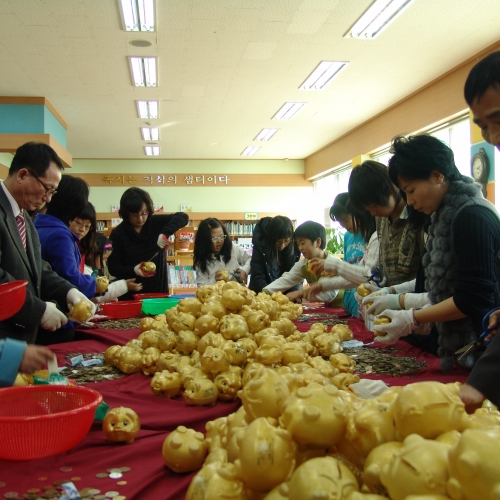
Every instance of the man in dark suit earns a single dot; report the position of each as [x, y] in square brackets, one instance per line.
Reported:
[33, 178]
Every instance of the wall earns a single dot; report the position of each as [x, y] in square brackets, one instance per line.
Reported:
[437, 101]
[283, 199]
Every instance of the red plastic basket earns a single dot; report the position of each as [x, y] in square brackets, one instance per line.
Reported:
[41, 420]
[12, 296]
[122, 310]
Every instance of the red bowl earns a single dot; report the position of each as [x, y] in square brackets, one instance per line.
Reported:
[139, 296]
[122, 310]
[12, 297]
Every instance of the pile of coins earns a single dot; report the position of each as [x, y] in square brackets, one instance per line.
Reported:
[55, 490]
[325, 319]
[88, 374]
[383, 361]
[120, 324]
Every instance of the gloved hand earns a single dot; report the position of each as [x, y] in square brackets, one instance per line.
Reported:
[381, 302]
[163, 241]
[74, 296]
[402, 324]
[140, 271]
[52, 318]
[377, 290]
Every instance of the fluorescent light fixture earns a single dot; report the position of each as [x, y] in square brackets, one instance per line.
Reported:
[152, 150]
[376, 18]
[147, 109]
[265, 134]
[250, 150]
[322, 75]
[143, 71]
[288, 110]
[138, 15]
[150, 134]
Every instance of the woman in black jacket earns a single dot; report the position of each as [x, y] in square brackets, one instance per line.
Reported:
[274, 252]
[138, 238]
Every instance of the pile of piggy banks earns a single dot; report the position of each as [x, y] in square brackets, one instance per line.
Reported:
[208, 346]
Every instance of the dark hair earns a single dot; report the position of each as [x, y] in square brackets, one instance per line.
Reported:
[88, 242]
[369, 184]
[103, 243]
[131, 202]
[35, 156]
[278, 228]
[362, 223]
[203, 253]
[485, 74]
[70, 199]
[312, 231]
[416, 156]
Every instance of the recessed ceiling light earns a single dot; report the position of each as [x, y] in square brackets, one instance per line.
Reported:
[143, 71]
[376, 18]
[322, 75]
[140, 43]
[265, 134]
[150, 134]
[152, 150]
[250, 150]
[138, 15]
[147, 109]
[288, 110]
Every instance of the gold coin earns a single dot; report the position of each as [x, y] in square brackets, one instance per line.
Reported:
[65, 469]
[125, 469]
[2, 484]
[120, 497]
[102, 475]
[121, 483]
[76, 478]
[93, 491]
[111, 494]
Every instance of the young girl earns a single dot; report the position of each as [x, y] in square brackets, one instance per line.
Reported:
[142, 236]
[84, 227]
[214, 252]
[274, 252]
[361, 254]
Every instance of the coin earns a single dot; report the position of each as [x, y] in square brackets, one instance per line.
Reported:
[102, 475]
[76, 478]
[111, 494]
[114, 469]
[120, 497]
[115, 475]
[2, 484]
[99, 497]
[33, 490]
[65, 469]
[10, 494]
[42, 478]
[125, 469]
[93, 491]
[121, 483]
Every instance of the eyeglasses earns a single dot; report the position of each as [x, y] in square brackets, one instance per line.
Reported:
[48, 191]
[283, 241]
[219, 238]
[140, 214]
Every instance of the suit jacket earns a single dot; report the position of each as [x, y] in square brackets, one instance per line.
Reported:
[18, 264]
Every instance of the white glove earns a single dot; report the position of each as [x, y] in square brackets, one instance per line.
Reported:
[74, 296]
[416, 300]
[115, 290]
[377, 291]
[163, 241]
[402, 324]
[381, 302]
[140, 271]
[52, 318]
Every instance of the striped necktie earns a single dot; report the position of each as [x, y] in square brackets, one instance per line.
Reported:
[21, 225]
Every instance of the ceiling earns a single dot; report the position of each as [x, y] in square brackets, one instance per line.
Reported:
[226, 67]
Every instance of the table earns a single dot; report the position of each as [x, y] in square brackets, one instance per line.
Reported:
[148, 478]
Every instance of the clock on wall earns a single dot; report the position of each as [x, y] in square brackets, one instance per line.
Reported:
[480, 167]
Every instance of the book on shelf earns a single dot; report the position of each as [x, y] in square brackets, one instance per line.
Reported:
[182, 276]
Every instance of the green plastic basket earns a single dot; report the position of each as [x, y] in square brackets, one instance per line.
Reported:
[157, 306]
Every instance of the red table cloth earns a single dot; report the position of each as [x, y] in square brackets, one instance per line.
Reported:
[148, 478]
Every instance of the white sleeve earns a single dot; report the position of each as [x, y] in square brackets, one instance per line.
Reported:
[336, 283]
[244, 258]
[115, 290]
[353, 274]
[288, 279]
[416, 300]
[407, 286]
[202, 278]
